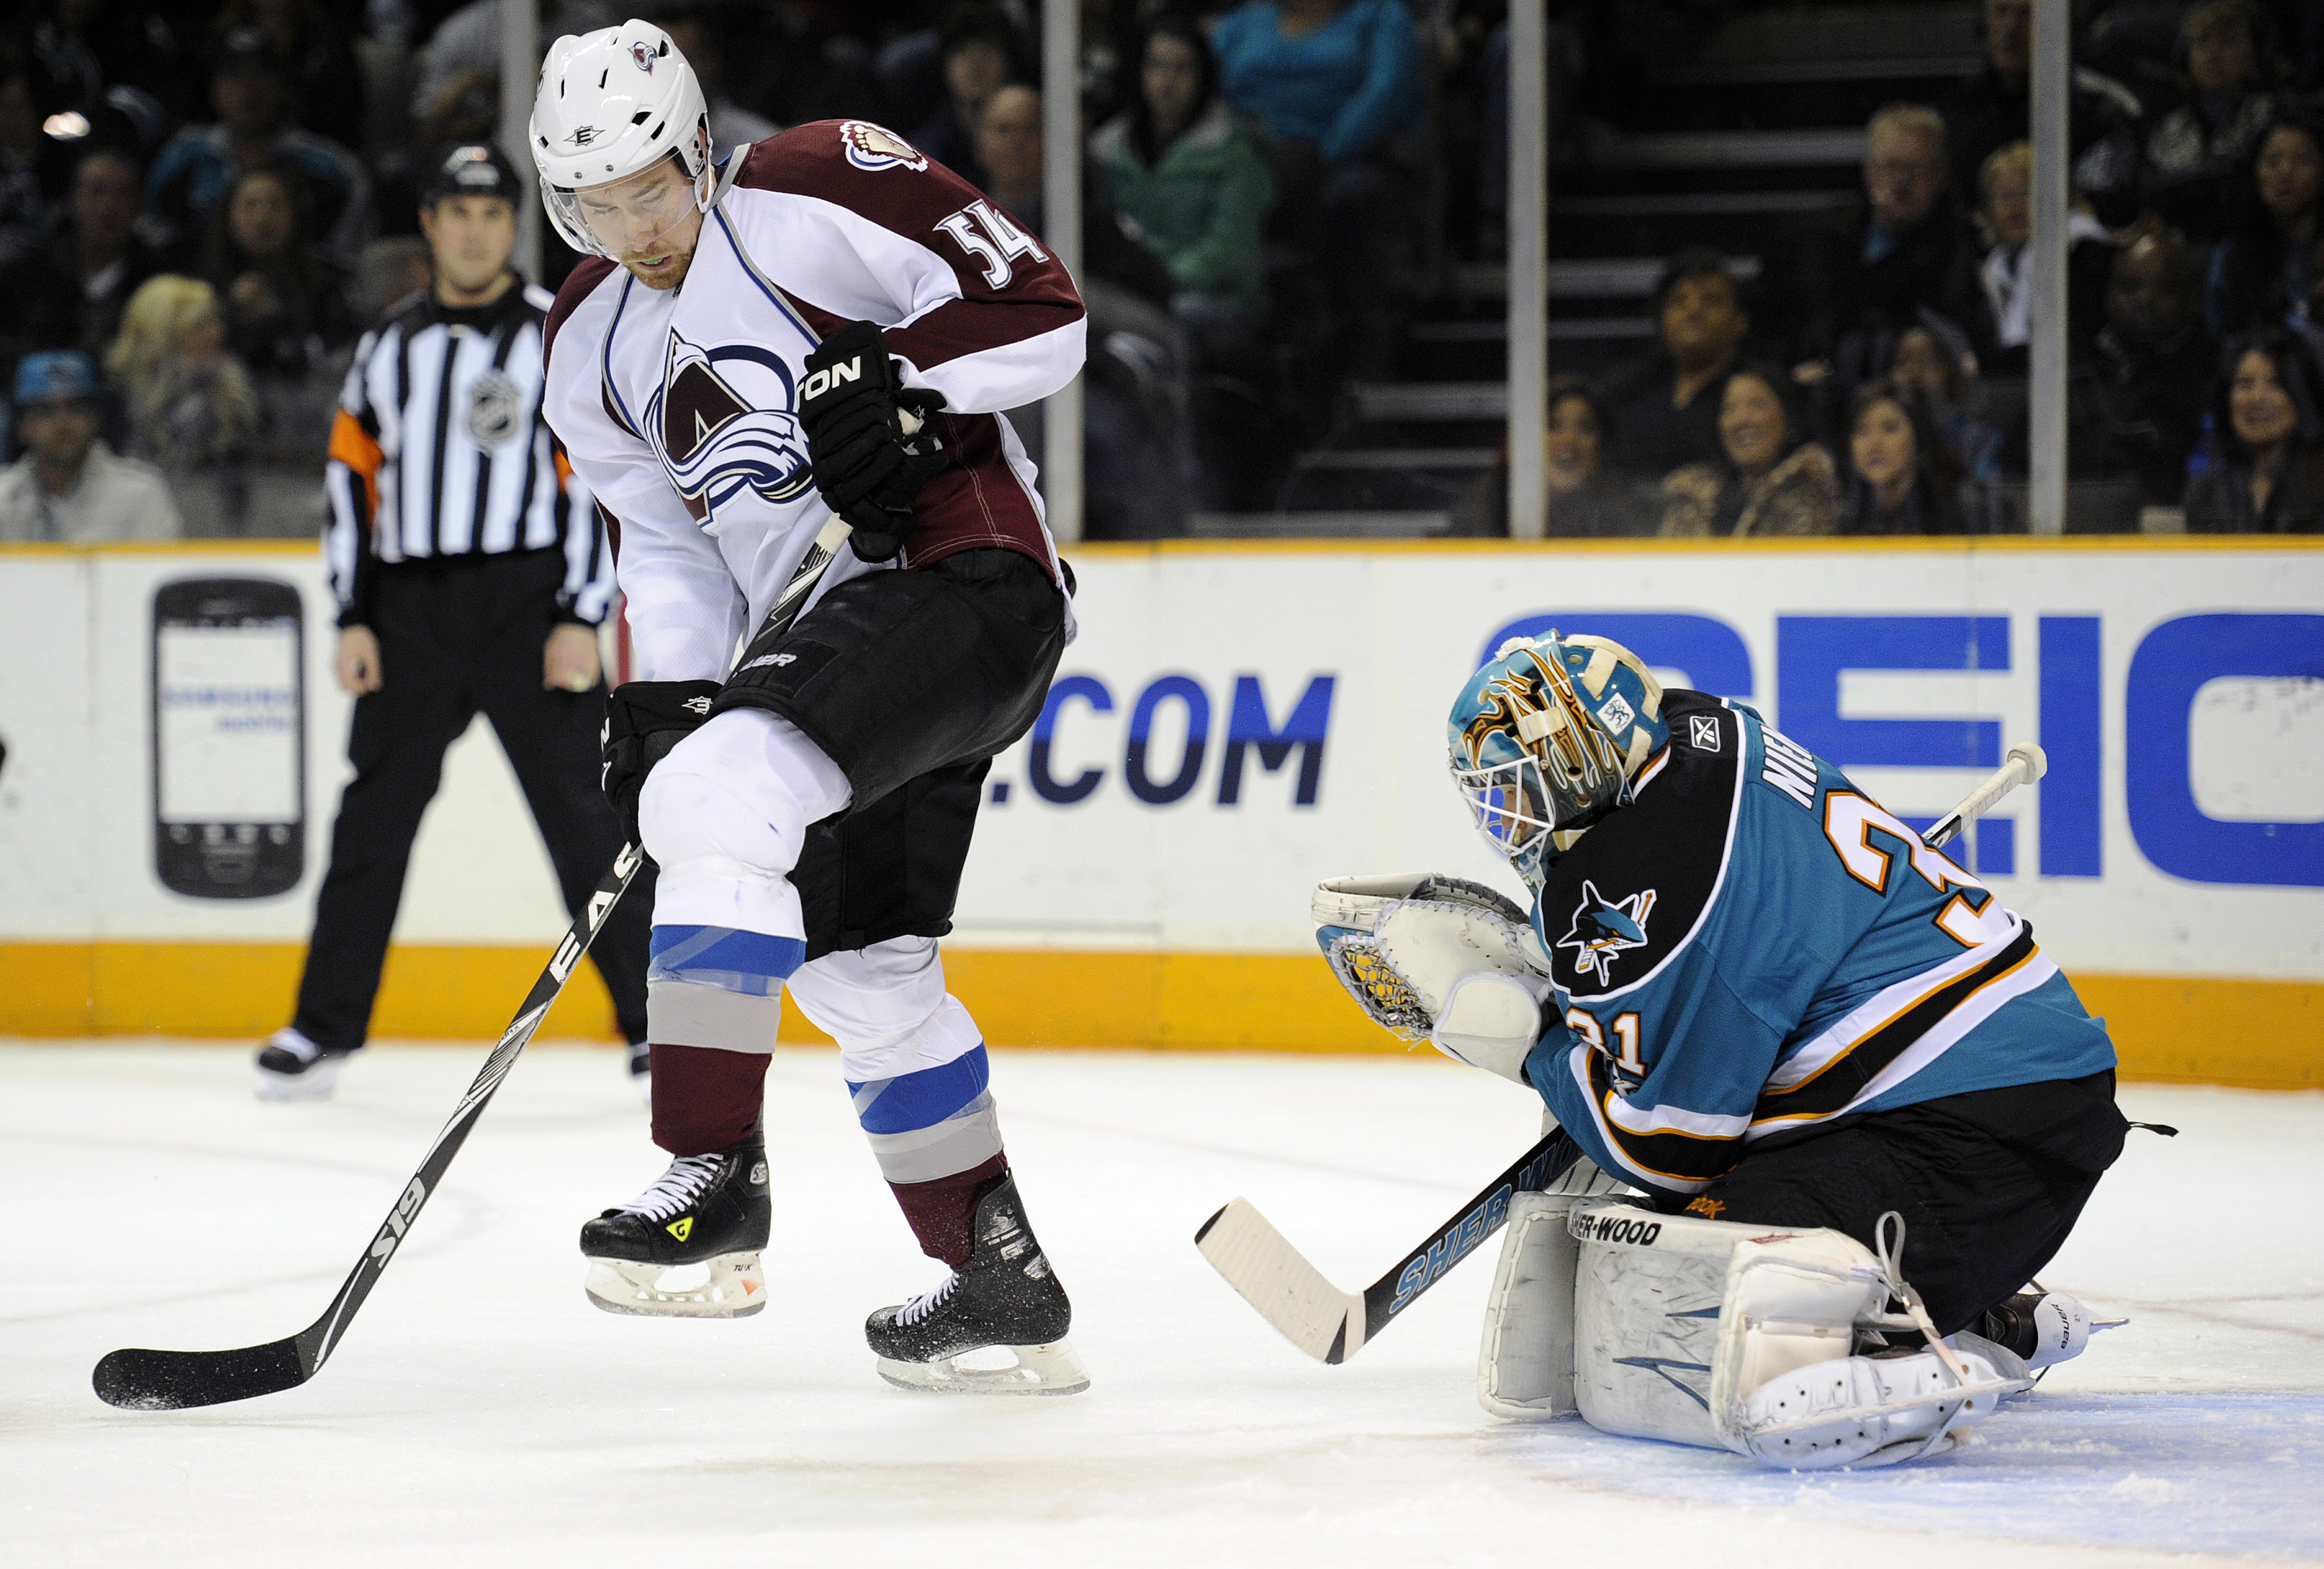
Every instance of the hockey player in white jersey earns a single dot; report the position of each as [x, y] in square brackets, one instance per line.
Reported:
[823, 322]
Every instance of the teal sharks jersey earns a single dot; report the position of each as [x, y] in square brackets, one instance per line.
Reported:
[1754, 948]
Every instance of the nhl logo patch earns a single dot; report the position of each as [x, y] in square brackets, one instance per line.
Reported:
[495, 409]
[875, 147]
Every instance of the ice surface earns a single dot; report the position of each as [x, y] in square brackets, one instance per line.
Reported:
[480, 1412]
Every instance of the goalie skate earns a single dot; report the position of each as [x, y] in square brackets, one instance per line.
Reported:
[688, 1246]
[996, 1326]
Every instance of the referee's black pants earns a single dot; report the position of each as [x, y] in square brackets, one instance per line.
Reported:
[458, 635]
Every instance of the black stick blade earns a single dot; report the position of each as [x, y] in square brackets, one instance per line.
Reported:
[173, 1380]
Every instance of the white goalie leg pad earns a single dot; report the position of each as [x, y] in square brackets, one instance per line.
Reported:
[1524, 1366]
[1733, 1337]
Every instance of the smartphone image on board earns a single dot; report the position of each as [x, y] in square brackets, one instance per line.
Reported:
[229, 738]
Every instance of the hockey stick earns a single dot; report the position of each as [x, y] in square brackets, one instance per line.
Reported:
[171, 1380]
[1330, 1324]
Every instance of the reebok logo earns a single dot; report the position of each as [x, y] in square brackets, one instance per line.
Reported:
[769, 660]
[1702, 729]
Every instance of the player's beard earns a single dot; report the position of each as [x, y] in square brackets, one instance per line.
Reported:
[667, 277]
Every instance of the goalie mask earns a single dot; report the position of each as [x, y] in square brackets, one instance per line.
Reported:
[611, 104]
[1546, 738]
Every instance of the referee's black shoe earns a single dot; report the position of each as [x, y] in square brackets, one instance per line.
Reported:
[292, 1067]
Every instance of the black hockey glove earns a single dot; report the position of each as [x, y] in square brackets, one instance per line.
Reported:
[867, 436]
[643, 720]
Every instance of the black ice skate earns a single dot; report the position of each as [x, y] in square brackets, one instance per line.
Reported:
[2044, 1327]
[292, 1067]
[997, 1326]
[706, 1214]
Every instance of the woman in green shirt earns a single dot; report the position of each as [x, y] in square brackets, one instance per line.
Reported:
[1180, 166]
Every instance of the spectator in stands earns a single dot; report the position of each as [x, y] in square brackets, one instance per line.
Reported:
[91, 50]
[392, 268]
[1987, 111]
[69, 488]
[1332, 81]
[190, 404]
[326, 86]
[1136, 382]
[982, 52]
[2266, 473]
[2002, 329]
[1584, 499]
[1905, 249]
[1179, 166]
[1767, 481]
[1009, 146]
[2260, 272]
[1934, 366]
[27, 164]
[1665, 405]
[2231, 59]
[731, 125]
[284, 307]
[2153, 367]
[189, 179]
[69, 292]
[1902, 478]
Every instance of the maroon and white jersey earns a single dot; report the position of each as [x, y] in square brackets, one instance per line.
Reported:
[680, 406]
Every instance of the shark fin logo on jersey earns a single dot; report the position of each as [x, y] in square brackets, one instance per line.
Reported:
[725, 421]
[875, 147]
[1604, 929]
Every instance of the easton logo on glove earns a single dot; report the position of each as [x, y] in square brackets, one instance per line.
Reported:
[867, 436]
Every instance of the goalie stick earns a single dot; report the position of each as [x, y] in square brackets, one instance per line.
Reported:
[171, 1380]
[1330, 1324]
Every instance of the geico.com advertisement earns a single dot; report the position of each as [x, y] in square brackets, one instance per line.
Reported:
[1232, 725]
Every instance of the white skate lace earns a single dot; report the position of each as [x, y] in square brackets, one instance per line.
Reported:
[676, 1188]
[927, 1302]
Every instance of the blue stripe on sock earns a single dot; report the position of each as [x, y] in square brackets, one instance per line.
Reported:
[752, 963]
[910, 1101]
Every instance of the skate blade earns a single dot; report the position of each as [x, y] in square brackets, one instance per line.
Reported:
[317, 1084]
[994, 1369]
[735, 1289]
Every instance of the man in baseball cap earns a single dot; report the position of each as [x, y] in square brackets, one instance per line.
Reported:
[69, 488]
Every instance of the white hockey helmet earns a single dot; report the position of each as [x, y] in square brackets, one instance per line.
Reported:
[612, 103]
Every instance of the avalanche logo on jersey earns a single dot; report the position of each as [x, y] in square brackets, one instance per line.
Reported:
[726, 427]
[1602, 930]
[875, 147]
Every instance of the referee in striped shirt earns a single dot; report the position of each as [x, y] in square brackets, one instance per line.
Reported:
[472, 570]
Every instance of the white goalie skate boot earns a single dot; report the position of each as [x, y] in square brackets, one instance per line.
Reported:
[996, 1326]
[688, 1246]
[292, 1067]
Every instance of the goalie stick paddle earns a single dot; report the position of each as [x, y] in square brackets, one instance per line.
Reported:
[171, 1380]
[1330, 1324]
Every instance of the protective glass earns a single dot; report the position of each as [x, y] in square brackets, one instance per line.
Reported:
[1510, 802]
[629, 218]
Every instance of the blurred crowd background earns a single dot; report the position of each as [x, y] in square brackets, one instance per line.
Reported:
[1789, 287]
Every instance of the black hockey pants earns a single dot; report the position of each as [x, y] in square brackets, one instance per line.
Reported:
[458, 635]
[1989, 1184]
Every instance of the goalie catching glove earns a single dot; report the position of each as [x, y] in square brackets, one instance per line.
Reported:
[867, 437]
[1439, 959]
